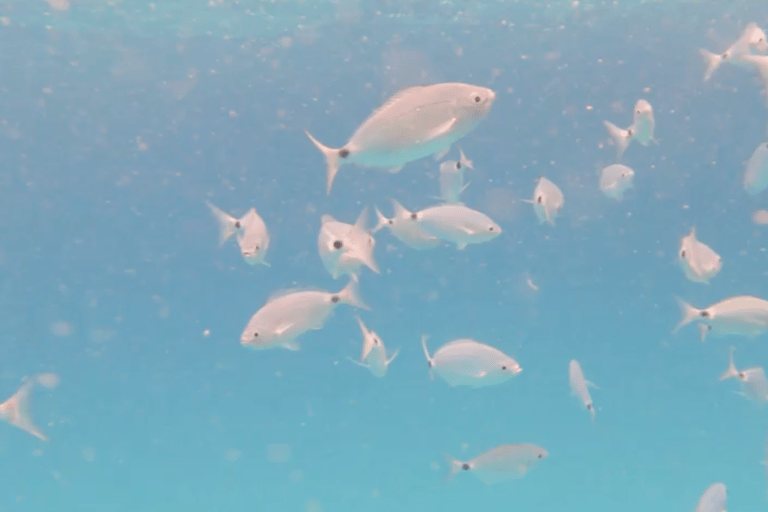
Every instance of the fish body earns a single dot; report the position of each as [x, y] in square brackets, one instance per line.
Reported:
[713, 499]
[742, 315]
[287, 316]
[755, 178]
[457, 224]
[615, 180]
[415, 122]
[506, 462]
[699, 262]
[466, 362]
[547, 201]
[402, 227]
[580, 387]
[251, 233]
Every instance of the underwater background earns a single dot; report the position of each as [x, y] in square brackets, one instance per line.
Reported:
[120, 119]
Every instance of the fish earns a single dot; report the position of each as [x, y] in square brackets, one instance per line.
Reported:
[288, 315]
[713, 499]
[466, 362]
[642, 128]
[754, 385]
[752, 38]
[16, 409]
[403, 228]
[506, 462]
[615, 180]
[547, 201]
[741, 315]
[452, 178]
[699, 262]
[374, 354]
[251, 233]
[580, 387]
[345, 248]
[413, 123]
[457, 224]
[755, 178]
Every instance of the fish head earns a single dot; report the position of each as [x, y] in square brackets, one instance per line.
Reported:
[254, 337]
[253, 253]
[474, 102]
[511, 367]
[757, 39]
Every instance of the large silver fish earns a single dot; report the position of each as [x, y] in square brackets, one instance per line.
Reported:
[413, 123]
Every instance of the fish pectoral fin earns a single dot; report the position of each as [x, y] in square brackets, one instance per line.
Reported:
[442, 130]
[280, 329]
[480, 374]
[358, 363]
[291, 345]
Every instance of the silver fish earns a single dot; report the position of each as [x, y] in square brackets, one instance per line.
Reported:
[615, 180]
[458, 224]
[580, 387]
[752, 38]
[713, 499]
[345, 248]
[413, 123]
[641, 129]
[250, 230]
[452, 178]
[738, 316]
[401, 225]
[506, 462]
[547, 201]
[754, 385]
[698, 261]
[16, 409]
[374, 355]
[466, 362]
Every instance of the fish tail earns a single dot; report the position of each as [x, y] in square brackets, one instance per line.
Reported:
[227, 223]
[619, 136]
[712, 61]
[426, 354]
[381, 221]
[454, 466]
[731, 371]
[351, 295]
[689, 313]
[331, 160]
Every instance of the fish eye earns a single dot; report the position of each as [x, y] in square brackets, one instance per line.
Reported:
[705, 314]
[237, 224]
[255, 335]
[477, 99]
[503, 367]
[256, 249]
[413, 216]
[335, 299]
[391, 222]
[589, 407]
[343, 153]
[540, 199]
[725, 55]
[540, 455]
[338, 244]
[465, 466]
[630, 132]
[490, 228]
[682, 254]
[458, 165]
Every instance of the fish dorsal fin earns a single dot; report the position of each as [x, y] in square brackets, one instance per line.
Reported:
[362, 220]
[325, 219]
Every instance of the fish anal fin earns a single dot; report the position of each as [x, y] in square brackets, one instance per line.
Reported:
[291, 345]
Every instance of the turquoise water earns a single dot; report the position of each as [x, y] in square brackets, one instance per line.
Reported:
[119, 120]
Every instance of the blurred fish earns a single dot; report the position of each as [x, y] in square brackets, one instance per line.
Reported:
[579, 386]
[713, 499]
[414, 123]
[752, 38]
[547, 201]
[345, 248]
[754, 385]
[466, 362]
[452, 178]
[502, 463]
[641, 130]
[403, 228]
[288, 315]
[251, 231]
[755, 178]
[458, 224]
[615, 180]
[742, 315]
[698, 261]
[16, 409]
[374, 354]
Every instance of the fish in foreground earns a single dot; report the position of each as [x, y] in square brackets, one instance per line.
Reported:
[580, 387]
[699, 262]
[452, 178]
[615, 180]
[403, 228]
[714, 499]
[288, 315]
[374, 354]
[547, 201]
[506, 462]
[457, 224]
[752, 38]
[466, 362]
[754, 385]
[252, 233]
[16, 409]
[415, 122]
[742, 315]
[755, 178]
[641, 130]
[345, 248]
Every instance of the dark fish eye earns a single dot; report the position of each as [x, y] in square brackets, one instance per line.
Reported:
[413, 216]
[338, 244]
[705, 314]
[540, 455]
[237, 224]
[391, 221]
[256, 248]
[490, 228]
[503, 367]
[682, 254]
[630, 132]
[255, 335]
[343, 153]
[335, 299]
[477, 99]
[458, 165]
[465, 466]
[540, 199]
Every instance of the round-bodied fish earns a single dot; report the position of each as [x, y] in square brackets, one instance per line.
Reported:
[415, 122]
[466, 362]
[547, 201]
[698, 261]
[742, 315]
[506, 462]
[287, 316]
[615, 180]
[457, 224]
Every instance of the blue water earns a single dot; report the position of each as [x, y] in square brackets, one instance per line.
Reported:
[118, 122]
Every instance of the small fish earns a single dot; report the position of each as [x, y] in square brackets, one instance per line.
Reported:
[452, 178]
[413, 123]
[713, 499]
[755, 178]
[738, 316]
[615, 180]
[251, 231]
[698, 261]
[16, 409]
[547, 201]
[580, 387]
[345, 248]
[466, 362]
[374, 354]
[288, 315]
[401, 225]
[458, 224]
[754, 385]
[752, 38]
[641, 129]
[506, 462]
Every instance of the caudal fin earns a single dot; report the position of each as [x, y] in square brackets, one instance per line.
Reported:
[331, 161]
[689, 313]
[381, 221]
[351, 295]
[731, 371]
[620, 137]
[454, 466]
[16, 410]
[228, 225]
[712, 61]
